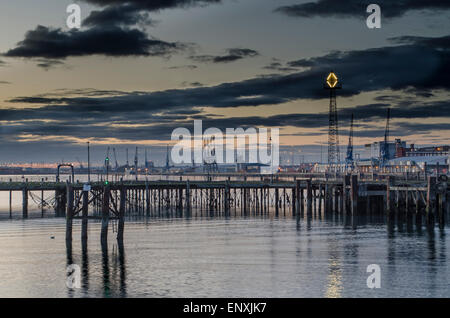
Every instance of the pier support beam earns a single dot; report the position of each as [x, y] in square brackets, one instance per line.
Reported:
[121, 224]
[84, 215]
[309, 197]
[188, 198]
[431, 198]
[227, 199]
[277, 210]
[25, 203]
[390, 181]
[354, 194]
[105, 216]
[297, 198]
[69, 214]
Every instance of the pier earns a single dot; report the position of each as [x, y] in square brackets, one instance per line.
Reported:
[227, 195]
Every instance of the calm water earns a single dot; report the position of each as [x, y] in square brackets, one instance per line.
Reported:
[217, 257]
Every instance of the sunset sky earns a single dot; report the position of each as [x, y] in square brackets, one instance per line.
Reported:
[136, 70]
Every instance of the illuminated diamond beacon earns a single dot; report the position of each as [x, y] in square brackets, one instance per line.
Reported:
[332, 84]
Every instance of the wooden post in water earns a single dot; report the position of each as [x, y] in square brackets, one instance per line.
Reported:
[25, 202]
[442, 207]
[309, 197]
[84, 215]
[293, 202]
[354, 194]
[431, 198]
[105, 216]
[147, 199]
[390, 181]
[407, 202]
[121, 224]
[417, 202]
[10, 204]
[42, 203]
[244, 200]
[327, 197]
[297, 197]
[320, 198]
[69, 214]
[227, 198]
[336, 199]
[188, 198]
[277, 211]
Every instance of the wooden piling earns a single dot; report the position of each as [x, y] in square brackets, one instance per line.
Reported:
[69, 213]
[298, 197]
[147, 199]
[84, 216]
[227, 198]
[10, 204]
[25, 202]
[105, 216]
[389, 182]
[354, 194]
[277, 212]
[309, 197]
[431, 196]
[188, 197]
[121, 223]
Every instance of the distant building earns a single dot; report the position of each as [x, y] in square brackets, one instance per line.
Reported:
[395, 149]
[427, 151]
[250, 167]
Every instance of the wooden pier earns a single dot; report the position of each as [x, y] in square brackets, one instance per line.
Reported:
[226, 196]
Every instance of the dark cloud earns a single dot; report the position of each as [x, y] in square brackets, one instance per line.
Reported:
[357, 8]
[49, 43]
[48, 63]
[5, 82]
[118, 15]
[189, 67]
[108, 114]
[231, 56]
[360, 71]
[368, 70]
[97, 123]
[279, 67]
[108, 33]
[155, 5]
[191, 84]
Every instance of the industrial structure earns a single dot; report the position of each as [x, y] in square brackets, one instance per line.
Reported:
[349, 158]
[332, 84]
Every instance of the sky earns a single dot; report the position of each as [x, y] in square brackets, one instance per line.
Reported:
[136, 70]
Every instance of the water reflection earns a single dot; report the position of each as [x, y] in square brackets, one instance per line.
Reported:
[334, 279]
[332, 254]
[113, 270]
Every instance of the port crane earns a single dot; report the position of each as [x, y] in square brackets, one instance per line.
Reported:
[385, 156]
[115, 159]
[80, 163]
[349, 162]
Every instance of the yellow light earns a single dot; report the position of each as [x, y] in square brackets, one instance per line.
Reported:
[332, 80]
